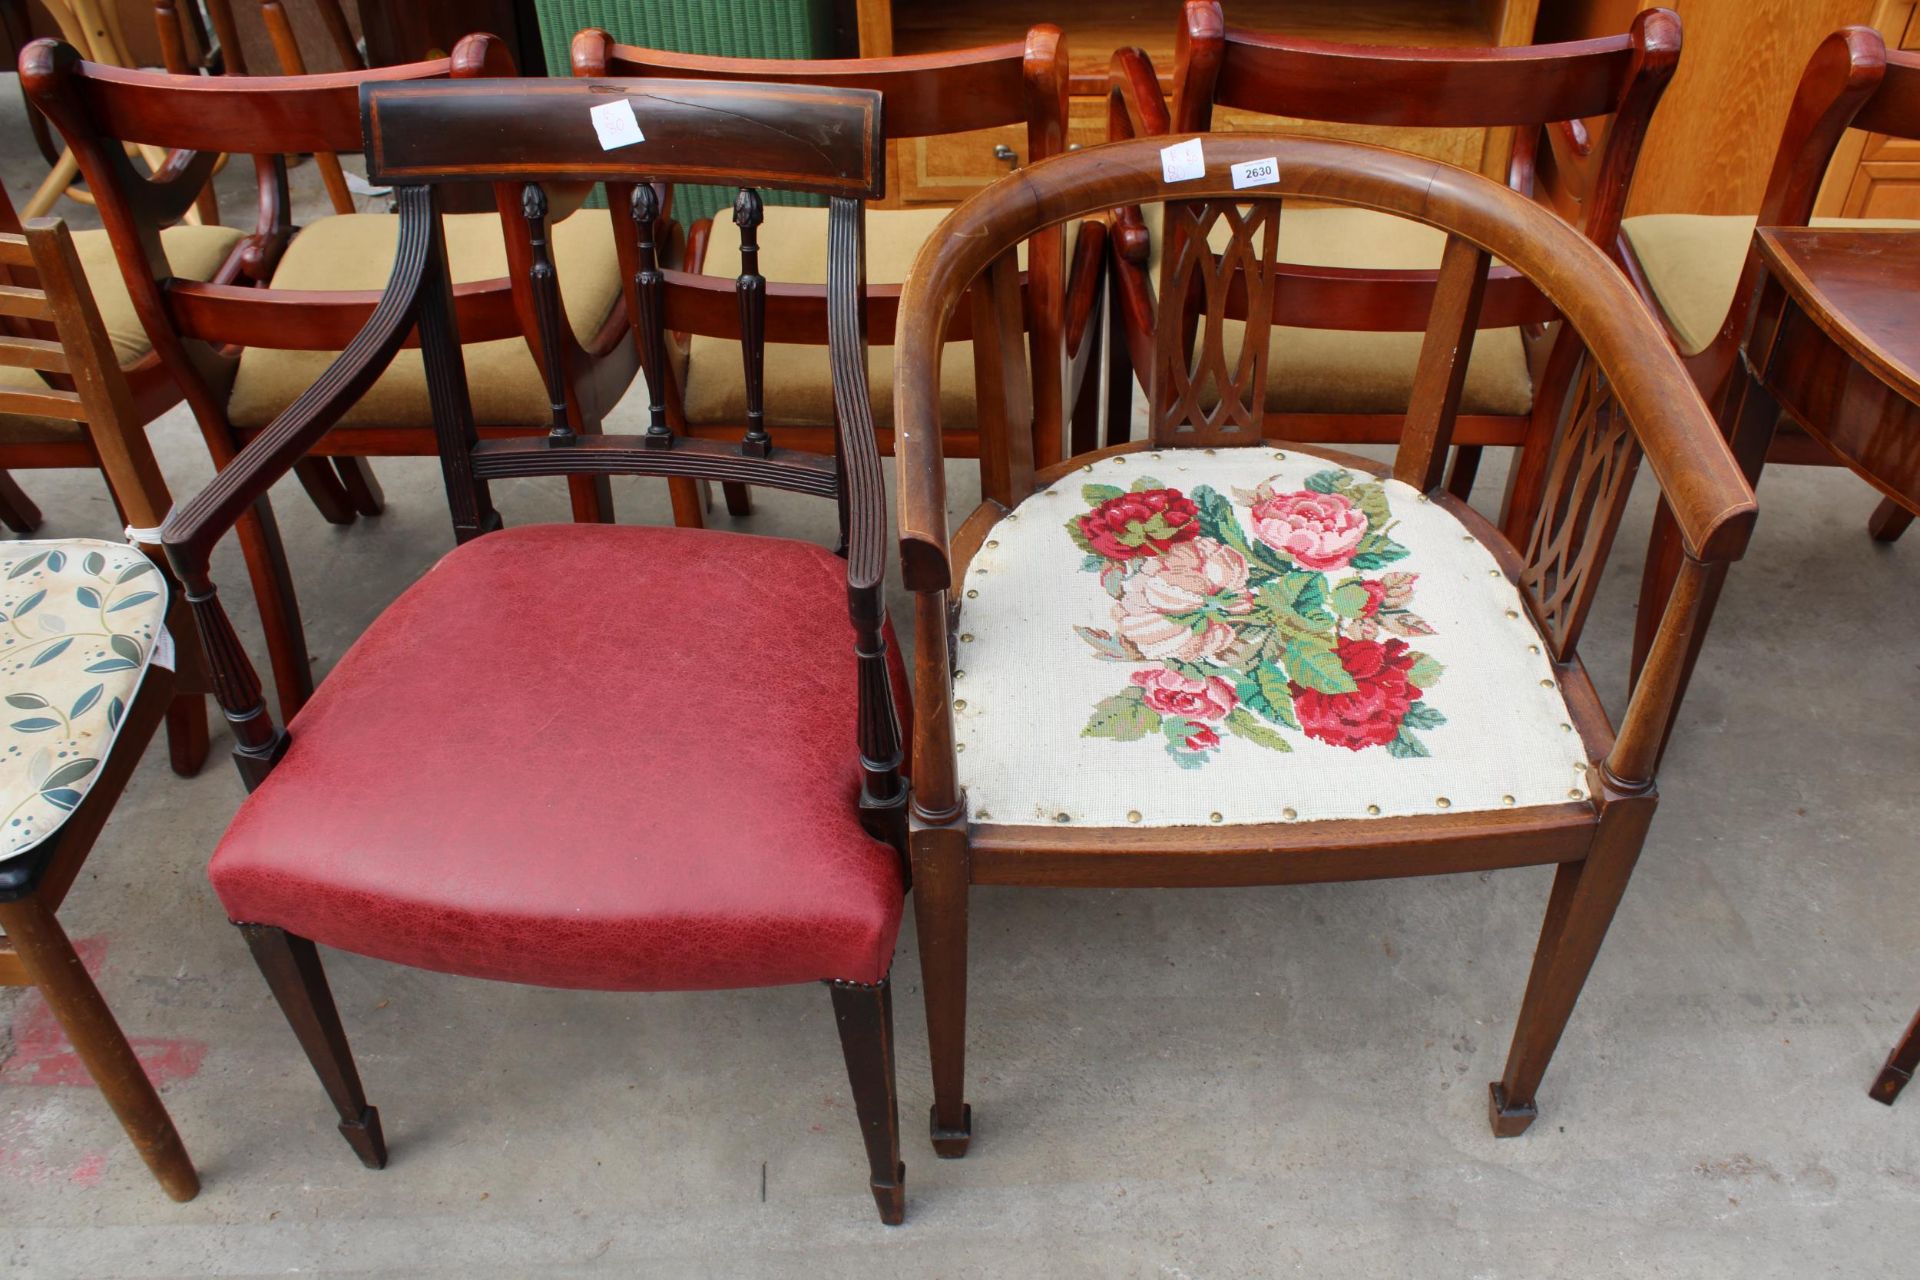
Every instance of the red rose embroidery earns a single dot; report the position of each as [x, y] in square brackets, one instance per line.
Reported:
[1172, 694]
[1376, 592]
[1317, 530]
[1140, 524]
[1202, 738]
[1369, 716]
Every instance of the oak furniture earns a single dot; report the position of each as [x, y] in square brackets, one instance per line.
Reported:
[88, 674]
[243, 351]
[1177, 661]
[945, 169]
[1711, 147]
[1356, 286]
[929, 95]
[1704, 275]
[721, 804]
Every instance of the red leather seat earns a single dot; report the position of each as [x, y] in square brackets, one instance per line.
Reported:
[619, 758]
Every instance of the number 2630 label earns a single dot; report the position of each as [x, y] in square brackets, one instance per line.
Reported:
[1256, 173]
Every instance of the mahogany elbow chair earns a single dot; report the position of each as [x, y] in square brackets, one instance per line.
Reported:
[1346, 340]
[959, 91]
[383, 821]
[88, 672]
[242, 349]
[1698, 273]
[1199, 659]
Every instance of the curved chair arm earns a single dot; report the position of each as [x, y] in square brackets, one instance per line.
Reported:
[1135, 109]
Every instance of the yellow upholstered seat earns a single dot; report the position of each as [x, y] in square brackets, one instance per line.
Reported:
[194, 253]
[1351, 371]
[1692, 263]
[355, 251]
[799, 383]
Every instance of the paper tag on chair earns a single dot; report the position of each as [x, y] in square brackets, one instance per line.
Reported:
[616, 124]
[163, 649]
[1255, 173]
[1183, 161]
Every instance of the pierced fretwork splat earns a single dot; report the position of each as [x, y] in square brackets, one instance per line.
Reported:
[1587, 486]
[1197, 396]
[547, 309]
[649, 288]
[752, 288]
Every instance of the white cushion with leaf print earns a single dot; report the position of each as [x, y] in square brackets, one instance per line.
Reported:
[1246, 635]
[80, 622]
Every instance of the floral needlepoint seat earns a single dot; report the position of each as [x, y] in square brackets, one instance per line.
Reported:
[1248, 636]
[80, 623]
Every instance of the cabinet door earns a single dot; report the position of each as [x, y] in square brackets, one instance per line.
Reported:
[1874, 175]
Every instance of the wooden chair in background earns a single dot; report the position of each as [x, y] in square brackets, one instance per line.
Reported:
[1201, 660]
[927, 95]
[244, 351]
[1358, 286]
[1700, 275]
[87, 675]
[418, 818]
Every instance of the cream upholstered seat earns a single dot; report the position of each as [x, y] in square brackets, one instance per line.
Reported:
[1189, 637]
[1692, 263]
[355, 251]
[194, 253]
[799, 384]
[83, 620]
[1354, 371]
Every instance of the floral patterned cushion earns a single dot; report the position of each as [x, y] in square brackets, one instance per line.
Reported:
[1247, 635]
[80, 622]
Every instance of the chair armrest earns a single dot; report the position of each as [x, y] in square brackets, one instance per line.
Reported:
[1135, 106]
[192, 529]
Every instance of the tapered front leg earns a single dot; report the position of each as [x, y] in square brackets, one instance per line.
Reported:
[1900, 1066]
[291, 965]
[940, 912]
[865, 1016]
[1585, 895]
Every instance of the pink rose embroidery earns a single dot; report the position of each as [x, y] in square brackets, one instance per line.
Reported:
[1316, 530]
[1172, 694]
[1184, 580]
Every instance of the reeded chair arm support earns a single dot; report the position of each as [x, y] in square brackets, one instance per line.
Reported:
[1699, 478]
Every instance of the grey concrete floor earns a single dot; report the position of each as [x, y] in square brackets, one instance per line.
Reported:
[1167, 1084]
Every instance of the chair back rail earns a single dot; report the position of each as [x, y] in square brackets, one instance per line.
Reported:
[529, 136]
[927, 95]
[1637, 392]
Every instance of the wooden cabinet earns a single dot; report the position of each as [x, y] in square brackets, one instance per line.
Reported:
[1872, 175]
[947, 169]
[1713, 139]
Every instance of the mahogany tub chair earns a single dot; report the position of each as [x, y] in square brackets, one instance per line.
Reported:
[88, 671]
[243, 351]
[1021, 83]
[1346, 345]
[1199, 659]
[1698, 274]
[392, 819]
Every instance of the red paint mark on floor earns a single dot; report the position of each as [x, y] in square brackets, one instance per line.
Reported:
[88, 1172]
[42, 1055]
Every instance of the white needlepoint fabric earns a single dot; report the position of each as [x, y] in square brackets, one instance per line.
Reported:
[80, 622]
[1192, 637]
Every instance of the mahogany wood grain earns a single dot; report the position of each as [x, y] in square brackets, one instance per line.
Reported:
[1638, 389]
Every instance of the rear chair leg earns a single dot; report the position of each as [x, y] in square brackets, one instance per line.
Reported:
[1889, 521]
[49, 959]
[17, 511]
[739, 498]
[1466, 466]
[324, 488]
[1900, 1066]
[865, 1015]
[363, 490]
[292, 968]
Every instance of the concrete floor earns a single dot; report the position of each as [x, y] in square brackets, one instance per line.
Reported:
[1177, 1084]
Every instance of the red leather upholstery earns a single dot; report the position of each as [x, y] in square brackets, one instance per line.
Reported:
[585, 756]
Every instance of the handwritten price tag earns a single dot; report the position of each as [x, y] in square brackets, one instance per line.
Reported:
[616, 124]
[1256, 173]
[1183, 161]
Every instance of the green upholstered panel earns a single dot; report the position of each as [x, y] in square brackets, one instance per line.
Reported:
[735, 28]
